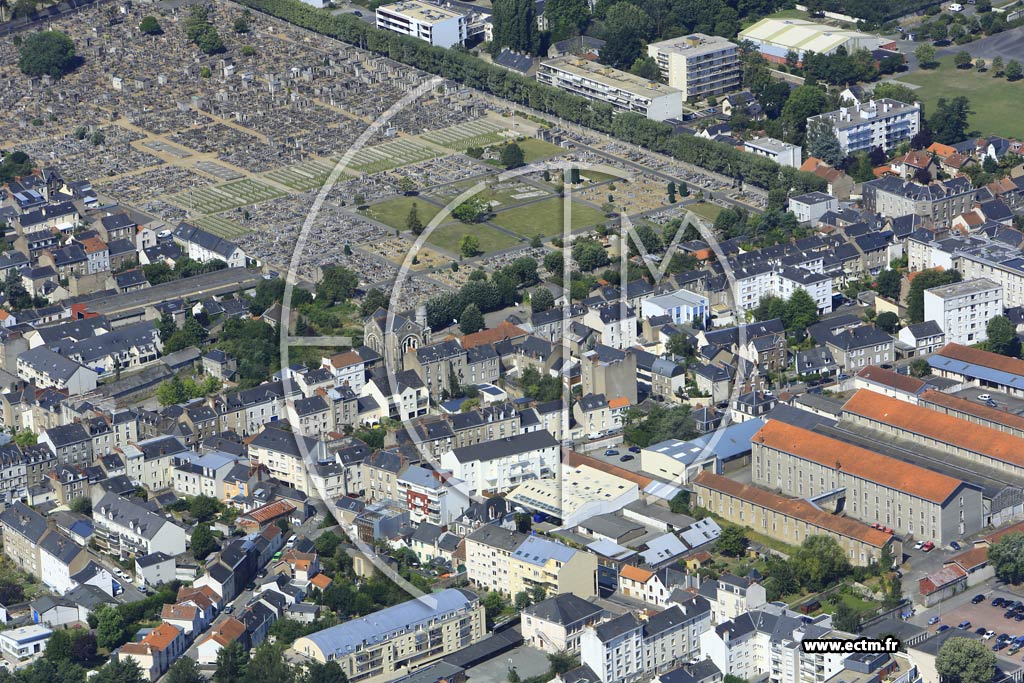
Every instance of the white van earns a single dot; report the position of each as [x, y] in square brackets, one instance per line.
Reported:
[956, 7]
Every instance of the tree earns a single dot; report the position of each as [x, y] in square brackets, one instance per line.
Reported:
[1013, 70]
[820, 561]
[203, 542]
[150, 26]
[269, 665]
[121, 670]
[204, 508]
[58, 647]
[515, 26]
[626, 27]
[927, 279]
[962, 660]
[562, 661]
[232, 662]
[1002, 337]
[823, 143]
[925, 56]
[469, 246]
[493, 604]
[241, 24]
[522, 600]
[679, 345]
[24, 8]
[1007, 556]
[889, 283]
[185, 670]
[82, 505]
[566, 18]
[680, 503]
[471, 320]
[919, 367]
[512, 156]
[647, 68]
[315, 672]
[554, 262]
[337, 285]
[524, 522]
[473, 210]
[888, 322]
[412, 222]
[997, 67]
[83, 649]
[962, 59]
[732, 542]
[845, 618]
[948, 122]
[801, 310]
[541, 299]
[406, 185]
[46, 53]
[589, 254]
[110, 628]
[805, 101]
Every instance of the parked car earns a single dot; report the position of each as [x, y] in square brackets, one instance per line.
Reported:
[944, 627]
[984, 397]
[918, 545]
[933, 620]
[928, 547]
[627, 458]
[954, 545]
[229, 609]
[634, 449]
[956, 7]
[997, 602]
[1002, 644]
[986, 635]
[977, 598]
[611, 451]
[964, 625]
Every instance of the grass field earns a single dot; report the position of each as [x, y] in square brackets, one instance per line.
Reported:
[219, 198]
[534, 149]
[995, 102]
[448, 236]
[706, 211]
[394, 211]
[545, 218]
[221, 227]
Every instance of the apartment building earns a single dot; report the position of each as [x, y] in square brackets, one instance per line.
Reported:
[878, 489]
[729, 596]
[438, 365]
[284, 454]
[789, 520]
[615, 323]
[126, 529]
[434, 24]
[610, 372]
[698, 65]
[810, 207]
[936, 204]
[622, 90]
[883, 123]
[499, 465]
[555, 624]
[433, 497]
[45, 368]
[682, 305]
[767, 644]
[963, 309]
[23, 531]
[509, 562]
[399, 639]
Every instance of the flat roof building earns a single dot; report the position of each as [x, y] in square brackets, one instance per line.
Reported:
[882, 123]
[782, 153]
[439, 26]
[698, 65]
[622, 90]
[963, 309]
[578, 494]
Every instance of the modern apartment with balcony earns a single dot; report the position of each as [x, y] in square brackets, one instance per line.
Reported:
[882, 123]
[439, 26]
[698, 65]
[622, 90]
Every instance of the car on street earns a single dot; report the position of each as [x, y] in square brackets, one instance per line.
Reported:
[977, 598]
[928, 547]
[964, 625]
[229, 609]
[933, 620]
[955, 7]
[627, 458]
[944, 627]
[954, 545]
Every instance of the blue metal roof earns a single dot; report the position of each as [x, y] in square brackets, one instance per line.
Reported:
[973, 370]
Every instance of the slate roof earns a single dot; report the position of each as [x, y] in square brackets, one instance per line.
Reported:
[564, 609]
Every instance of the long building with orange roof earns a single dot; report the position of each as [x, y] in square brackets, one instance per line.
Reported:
[973, 442]
[876, 488]
[973, 411]
[983, 368]
[790, 520]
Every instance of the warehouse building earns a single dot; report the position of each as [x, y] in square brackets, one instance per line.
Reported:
[790, 520]
[873, 488]
[776, 38]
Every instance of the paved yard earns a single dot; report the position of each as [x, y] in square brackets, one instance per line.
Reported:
[982, 615]
[528, 661]
[1008, 45]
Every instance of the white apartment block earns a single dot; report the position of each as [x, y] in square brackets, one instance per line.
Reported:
[502, 464]
[682, 305]
[782, 153]
[963, 309]
[698, 65]
[616, 323]
[877, 123]
[810, 207]
[622, 90]
[432, 24]
[753, 283]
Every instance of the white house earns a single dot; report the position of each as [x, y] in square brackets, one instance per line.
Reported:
[502, 464]
[616, 323]
[203, 246]
[963, 309]
[128, 529]
[682, 305]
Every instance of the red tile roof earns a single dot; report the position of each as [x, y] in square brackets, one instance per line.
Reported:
[162, 636]
[794, 508]
[892, 379]
[971, 559]
[857, 462]
[636, 574]
[269, 512]
[228, 631]
[321, 581]
[504, 330]
[938, 580]
[947, 429]
[979, 410]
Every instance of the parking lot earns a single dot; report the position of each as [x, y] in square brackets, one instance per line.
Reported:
[983, 616]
